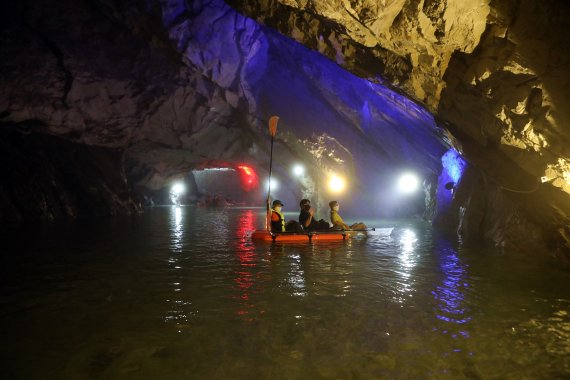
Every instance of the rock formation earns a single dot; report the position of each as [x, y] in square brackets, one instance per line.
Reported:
[495, 73]
[175, 85]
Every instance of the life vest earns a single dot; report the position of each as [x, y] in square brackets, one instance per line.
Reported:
[336, 220]
[279, 225]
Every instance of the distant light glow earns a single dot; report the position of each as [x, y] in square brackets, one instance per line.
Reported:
[178, 188]
[274, 184]
[408, 183]
[218, 169]
[248, 177]
[298, 170]
[246, 169]
[337, 184]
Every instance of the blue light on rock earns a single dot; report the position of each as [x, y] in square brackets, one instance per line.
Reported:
[453, 165]
[264, 73]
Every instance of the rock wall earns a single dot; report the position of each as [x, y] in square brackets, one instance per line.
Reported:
[497, 70]
[496, 73]
[89, 73]
[181, 85]
[46, 177]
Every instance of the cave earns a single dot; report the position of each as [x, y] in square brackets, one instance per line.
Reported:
[149, 139]
[222, 185]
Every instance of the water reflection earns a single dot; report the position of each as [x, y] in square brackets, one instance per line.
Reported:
[408, 260]
[408, 257]
[450, 294]
[336, 261]
[220, 228]
[177, 309]
[234, 305]
[296, 276]
[176, 229]
[245, 275]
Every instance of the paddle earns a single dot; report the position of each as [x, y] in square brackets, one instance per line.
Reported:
[272, 131]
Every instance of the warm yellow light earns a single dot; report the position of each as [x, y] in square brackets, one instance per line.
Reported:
[336, 184]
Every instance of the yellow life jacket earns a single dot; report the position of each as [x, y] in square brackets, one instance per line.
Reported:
[336, 220]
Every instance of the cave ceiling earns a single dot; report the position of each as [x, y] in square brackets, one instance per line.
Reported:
[180, 82]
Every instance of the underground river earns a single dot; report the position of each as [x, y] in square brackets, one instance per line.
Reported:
[181, 292]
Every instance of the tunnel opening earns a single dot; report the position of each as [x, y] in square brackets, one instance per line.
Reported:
[397, 192]
[223, 186]
[212, 185]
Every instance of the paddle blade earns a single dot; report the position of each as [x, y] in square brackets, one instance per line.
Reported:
[273, 125]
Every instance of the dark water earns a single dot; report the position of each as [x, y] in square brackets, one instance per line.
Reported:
[183, 293]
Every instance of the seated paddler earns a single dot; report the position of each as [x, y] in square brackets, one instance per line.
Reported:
[337, 221]
[277, 217]
[307, 217]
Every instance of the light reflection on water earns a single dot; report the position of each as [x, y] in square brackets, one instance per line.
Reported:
[296, 276]
[177, 229]
[177, 309]
[245, 273]
[408, 260]
[450, 293]
[451, 297]
[183, 292]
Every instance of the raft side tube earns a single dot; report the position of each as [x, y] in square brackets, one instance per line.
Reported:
[299, 237]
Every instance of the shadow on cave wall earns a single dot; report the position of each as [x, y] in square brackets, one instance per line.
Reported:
[46, 177]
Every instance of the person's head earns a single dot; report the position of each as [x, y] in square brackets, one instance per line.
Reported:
[277, 205]
[334, 205]
[306, 207]
[304, 202]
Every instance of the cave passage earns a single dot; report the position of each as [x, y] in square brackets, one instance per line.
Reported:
[136, 154]
[337, 125]
[222, 187]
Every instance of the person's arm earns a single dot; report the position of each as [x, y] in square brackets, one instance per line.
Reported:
[311, 212]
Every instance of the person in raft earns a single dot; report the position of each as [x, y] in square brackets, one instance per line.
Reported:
[338, 223]
[277, 218]
[307, 217]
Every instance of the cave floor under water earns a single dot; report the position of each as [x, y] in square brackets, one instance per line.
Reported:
[183, 293]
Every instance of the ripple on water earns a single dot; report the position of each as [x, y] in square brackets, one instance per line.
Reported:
[182, 292]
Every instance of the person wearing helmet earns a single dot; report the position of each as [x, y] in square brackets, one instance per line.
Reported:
[277, 218]
[337, 221]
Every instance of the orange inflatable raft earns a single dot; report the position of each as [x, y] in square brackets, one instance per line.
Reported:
[301, 237]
